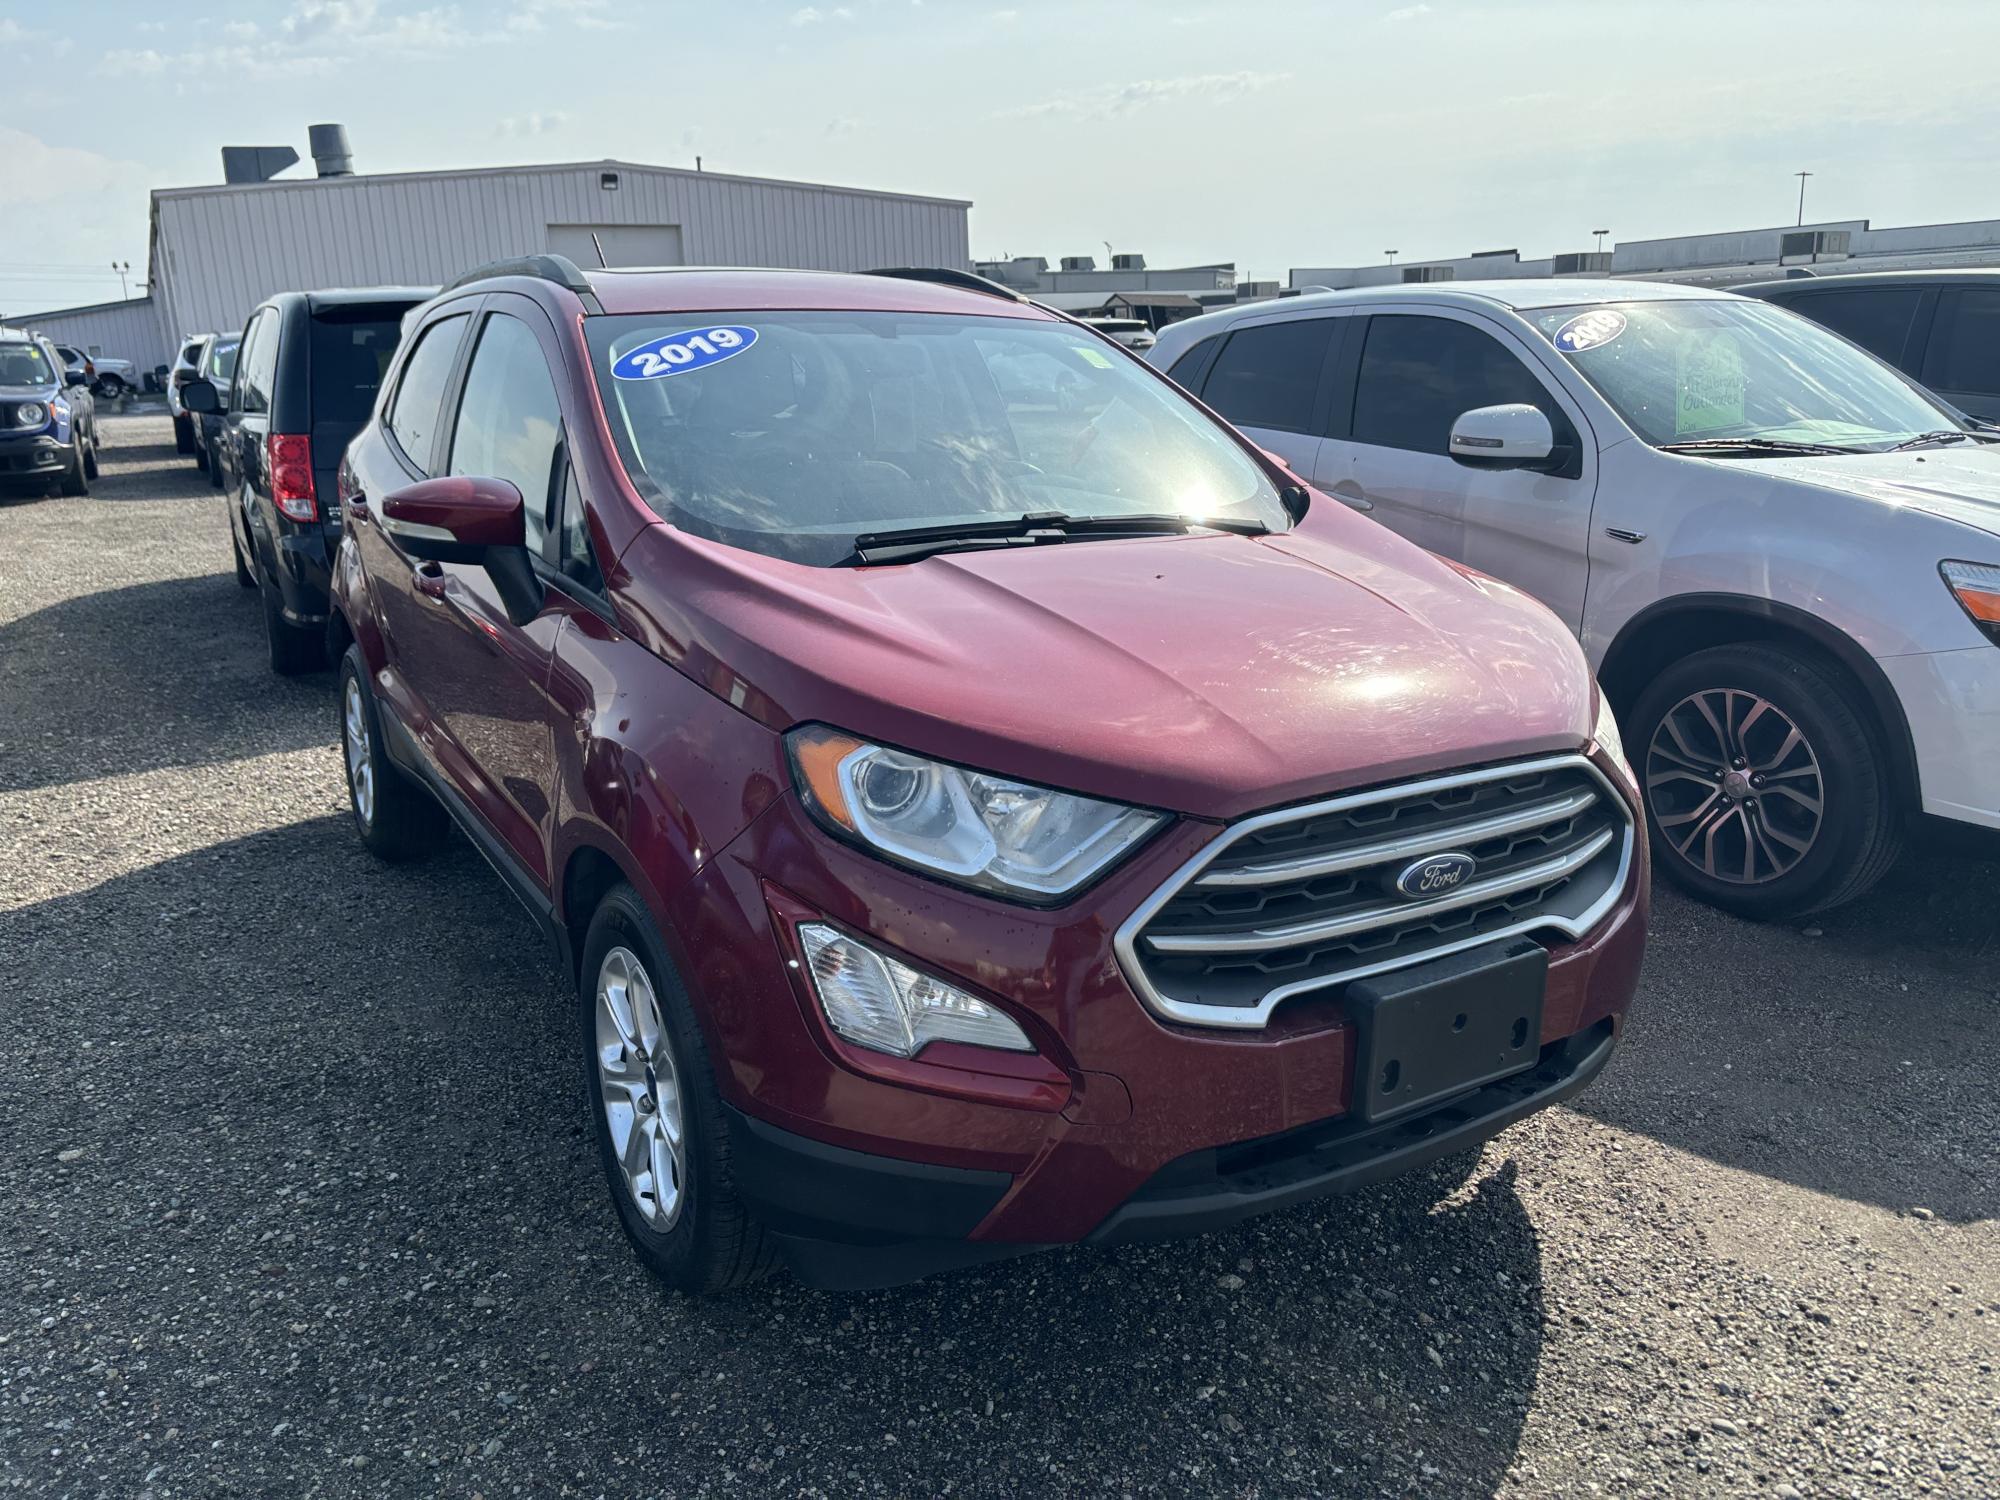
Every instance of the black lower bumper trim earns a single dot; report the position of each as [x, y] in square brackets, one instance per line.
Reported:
[1209, 1189]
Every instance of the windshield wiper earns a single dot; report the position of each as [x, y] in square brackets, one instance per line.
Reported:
[1944, 435]
[1753, 445]
[1039, 528]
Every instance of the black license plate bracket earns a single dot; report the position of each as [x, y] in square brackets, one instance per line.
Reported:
[1440, 1028]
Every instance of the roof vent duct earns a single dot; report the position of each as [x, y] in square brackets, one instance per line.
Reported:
[331, 153]
[256, 163]
[1132, 261]
[1079, 263]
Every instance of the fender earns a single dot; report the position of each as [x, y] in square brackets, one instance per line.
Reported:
[1764, 619]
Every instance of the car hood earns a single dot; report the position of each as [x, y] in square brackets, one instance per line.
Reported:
[1207, 674]
[1959, 482]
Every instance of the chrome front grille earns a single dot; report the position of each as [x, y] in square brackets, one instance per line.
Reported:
[1304, 898]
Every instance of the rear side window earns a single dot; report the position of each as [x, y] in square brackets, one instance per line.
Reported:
[1187, 369]
[509, 420]
[1419, 375]
[350, 355]
[1879, 321]
[413, 411]
[257, 362]
[1268, 376]
[1965, 348]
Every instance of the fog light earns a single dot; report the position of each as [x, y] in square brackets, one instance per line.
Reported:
[876, 1002]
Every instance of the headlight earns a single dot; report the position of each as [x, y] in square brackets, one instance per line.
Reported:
[1977, 589]
[984, 831]
[30, 414]
[1607, 736]
[877, 1002]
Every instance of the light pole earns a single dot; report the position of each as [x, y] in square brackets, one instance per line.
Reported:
[1600, 233]
[1802, 176]
[1392, 254]
[124, 290]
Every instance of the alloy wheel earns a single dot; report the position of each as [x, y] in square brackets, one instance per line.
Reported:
[360, 764]
[640, 1089]
[1734, 786]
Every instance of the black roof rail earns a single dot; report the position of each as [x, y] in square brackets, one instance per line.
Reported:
[965, 281]
[557, 268]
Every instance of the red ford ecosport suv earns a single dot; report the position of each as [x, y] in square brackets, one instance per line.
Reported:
[984, 802]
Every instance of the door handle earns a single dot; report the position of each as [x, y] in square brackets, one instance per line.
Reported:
[1348, 493]
[428, 579]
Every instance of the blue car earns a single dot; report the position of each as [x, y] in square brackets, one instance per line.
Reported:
[48, 422]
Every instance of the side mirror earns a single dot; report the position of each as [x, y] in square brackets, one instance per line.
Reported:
[73, 378]
[1515, 436]
[480, 522]
[199, 396]
[1295, 495]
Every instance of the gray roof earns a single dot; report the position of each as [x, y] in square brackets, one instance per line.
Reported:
[1560, 291]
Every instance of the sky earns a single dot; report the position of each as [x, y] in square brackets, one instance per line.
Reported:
[1269, 134]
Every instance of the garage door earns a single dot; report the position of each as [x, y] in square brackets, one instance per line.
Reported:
[624, 244]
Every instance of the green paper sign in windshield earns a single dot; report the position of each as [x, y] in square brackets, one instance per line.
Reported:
[1709, 386]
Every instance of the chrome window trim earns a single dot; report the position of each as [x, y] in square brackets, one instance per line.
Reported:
[1250, 1018]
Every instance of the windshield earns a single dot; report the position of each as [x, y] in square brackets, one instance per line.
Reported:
[790, 433]
[1731, 368]
[24, 364]
[221, 363]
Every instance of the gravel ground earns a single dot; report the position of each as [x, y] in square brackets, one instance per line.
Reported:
[296, 1196]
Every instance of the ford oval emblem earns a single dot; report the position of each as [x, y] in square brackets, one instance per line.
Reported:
[1435, 875]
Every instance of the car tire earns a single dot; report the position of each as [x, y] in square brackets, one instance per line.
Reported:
[90, 456]
[215, 468]
[201, 455]
[75, 482]
[1768, 790]
[398, 820]
[646, 1075]
[110, 387]
[183, 438]
[293, 649]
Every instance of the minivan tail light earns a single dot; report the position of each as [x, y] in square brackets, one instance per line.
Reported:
[291, 462]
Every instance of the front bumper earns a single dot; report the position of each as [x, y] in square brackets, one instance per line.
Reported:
[872, 1170]
[1952, 702]
[33, 459]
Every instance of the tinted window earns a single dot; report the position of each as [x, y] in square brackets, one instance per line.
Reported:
[1965, 346]
[258, 362]
[221, 364]
[1879, 321]
[1268, 376]
[1188, 366]
[575, 556]
[509, 420]
[350, 355]
[1419, 375]
[413, 411]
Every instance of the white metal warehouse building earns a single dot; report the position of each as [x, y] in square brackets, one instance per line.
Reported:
[216, 252]
[219, 251]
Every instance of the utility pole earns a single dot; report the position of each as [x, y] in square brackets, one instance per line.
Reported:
[1802, 176]
[123, 271]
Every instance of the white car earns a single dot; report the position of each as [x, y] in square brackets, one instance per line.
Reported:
[186, 367]
[1131, 332]
[1781, 556]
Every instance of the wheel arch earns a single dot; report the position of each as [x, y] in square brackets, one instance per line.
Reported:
[1673, 628]
[589, 870]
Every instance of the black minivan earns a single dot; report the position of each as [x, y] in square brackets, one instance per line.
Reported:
[305, 381]
[1940, 328]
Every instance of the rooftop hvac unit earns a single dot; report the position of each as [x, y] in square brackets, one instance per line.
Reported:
[1427, 273]
[1131, 261]
[1813, 244]
[1580, 263]
[1079, 263]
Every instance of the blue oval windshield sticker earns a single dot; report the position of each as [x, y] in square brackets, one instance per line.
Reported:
[679, 353]
[1589, 330]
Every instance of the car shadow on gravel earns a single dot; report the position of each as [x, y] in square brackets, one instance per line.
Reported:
[1853, 1053]
[308, 1116]
[172, 673]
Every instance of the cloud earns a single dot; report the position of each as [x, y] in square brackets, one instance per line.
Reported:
[535, 122]
[38, 172]
[12, 30]
[1114, 100]
[321, 36]
[841, 125]
[1407, 12]
[812, 15]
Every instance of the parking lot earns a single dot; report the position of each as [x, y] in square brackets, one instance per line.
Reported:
[299, 1206]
